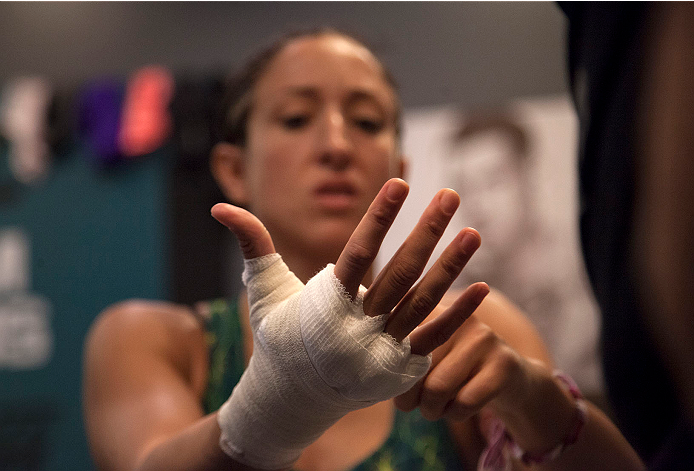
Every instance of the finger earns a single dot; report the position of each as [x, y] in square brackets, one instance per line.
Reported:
[474, 395]
[457, 366]
[435, 333]
[494, 369]
[363, 245]
[254, 239]
[451, 366]
[401, 272]
[426, 295]
[409, 400]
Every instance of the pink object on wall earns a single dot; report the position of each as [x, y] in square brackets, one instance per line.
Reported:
[146, 121]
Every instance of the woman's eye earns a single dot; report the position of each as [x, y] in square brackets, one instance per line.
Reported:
[295, 122]
[369, 125]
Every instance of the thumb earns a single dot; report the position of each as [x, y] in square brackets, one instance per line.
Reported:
[268, 282]
[254, 239]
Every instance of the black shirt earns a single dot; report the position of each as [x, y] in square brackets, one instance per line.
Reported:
[606, 56]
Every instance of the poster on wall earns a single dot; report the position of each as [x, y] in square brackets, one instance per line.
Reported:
[515, 170]
[26, 340]
[26, 346]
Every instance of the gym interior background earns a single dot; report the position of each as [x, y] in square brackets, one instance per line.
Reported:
[92, 227]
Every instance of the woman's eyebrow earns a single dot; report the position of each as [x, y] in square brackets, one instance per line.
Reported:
[366, 96]
[355, 96]
[314, 92]
[359, 95]
[301, 91]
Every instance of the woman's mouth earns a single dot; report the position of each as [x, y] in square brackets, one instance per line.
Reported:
[336, 196]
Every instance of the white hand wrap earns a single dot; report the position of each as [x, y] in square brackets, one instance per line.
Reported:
[316, 356]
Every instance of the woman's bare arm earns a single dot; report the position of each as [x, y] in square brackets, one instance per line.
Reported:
[145, 370]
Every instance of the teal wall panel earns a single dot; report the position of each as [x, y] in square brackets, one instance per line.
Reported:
[97, 236]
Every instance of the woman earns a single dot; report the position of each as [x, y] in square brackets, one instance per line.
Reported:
[312, 139]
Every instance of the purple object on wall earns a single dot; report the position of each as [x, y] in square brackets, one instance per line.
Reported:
[100, 116]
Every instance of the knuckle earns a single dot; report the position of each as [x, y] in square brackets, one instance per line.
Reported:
[508, 361]
[442, 336]
[357, 256]
[433, 229]
[382, 217]
[484, 337]
[436, 390]
[488, 336]
[467, 403]
[437, 397]
[451, 267]
[421, 305]
[246, 246]
[404, 273]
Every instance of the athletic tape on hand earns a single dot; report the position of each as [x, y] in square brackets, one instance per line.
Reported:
[316, 357]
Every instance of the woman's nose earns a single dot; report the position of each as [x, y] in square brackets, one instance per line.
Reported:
[335, 148]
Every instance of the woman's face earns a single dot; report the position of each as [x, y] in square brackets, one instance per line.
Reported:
[321, 142]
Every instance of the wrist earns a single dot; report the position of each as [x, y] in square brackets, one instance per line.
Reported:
[543, 413]
[543, 439]
[578, 420]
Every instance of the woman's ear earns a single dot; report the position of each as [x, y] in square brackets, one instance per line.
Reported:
[228, 168]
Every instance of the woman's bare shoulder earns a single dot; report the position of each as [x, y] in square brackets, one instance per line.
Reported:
[172, 331]
[139, 316]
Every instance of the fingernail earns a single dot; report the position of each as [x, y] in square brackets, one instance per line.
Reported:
[396, 190]
[449, 202]
[470, 242]
[482, 293]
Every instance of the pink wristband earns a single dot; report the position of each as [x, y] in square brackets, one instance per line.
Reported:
[496, 456]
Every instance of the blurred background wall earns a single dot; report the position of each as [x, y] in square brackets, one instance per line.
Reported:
[93, 229]
[441, 52]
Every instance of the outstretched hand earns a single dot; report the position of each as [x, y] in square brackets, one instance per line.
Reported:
[392, 291]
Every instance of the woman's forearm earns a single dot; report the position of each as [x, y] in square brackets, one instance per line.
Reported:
[196, 448]
[600, 445]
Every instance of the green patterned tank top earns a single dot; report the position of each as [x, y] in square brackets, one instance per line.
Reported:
[415, 444]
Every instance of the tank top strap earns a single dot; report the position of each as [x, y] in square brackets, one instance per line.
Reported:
[225, 342]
